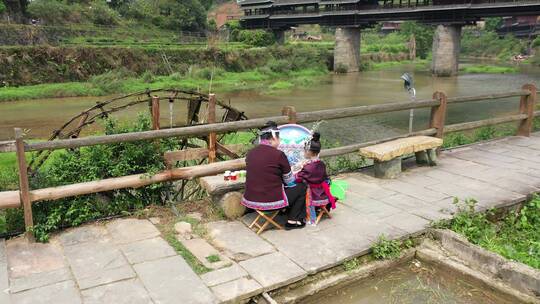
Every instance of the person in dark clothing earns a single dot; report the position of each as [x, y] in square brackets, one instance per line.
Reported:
[270, 183]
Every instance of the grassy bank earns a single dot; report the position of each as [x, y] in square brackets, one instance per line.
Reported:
[516, 236]
[488, 69]
[202, 79]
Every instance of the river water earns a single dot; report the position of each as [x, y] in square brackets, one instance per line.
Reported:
[42, 116]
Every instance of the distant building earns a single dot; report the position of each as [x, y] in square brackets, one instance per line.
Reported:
[520, 26]
[390, 26]
[225, 12]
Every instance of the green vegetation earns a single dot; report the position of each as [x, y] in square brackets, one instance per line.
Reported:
[168, 14]
[489, 44]
[386, 249]
[250, 37]
[192, 261]
[516, 236]
[2, 7]
[486, 133]
[92, 163]
[488, 69]
[213, 258]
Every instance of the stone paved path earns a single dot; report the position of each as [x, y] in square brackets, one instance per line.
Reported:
[127, 261]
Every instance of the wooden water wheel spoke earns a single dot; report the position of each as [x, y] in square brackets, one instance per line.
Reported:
[193, 101]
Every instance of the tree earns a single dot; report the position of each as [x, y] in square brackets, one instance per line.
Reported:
[493, 23]
[2, 7]
[189, 15]
[423, 35]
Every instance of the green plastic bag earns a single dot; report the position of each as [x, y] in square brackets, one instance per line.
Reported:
[339, 188]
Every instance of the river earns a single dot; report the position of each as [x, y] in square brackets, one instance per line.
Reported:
[42, 116]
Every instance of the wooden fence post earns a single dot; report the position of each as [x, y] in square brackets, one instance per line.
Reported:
[155, 112]
[291, 112]
[527, 105]
[438, 114]
[24, 187]
[212, 138]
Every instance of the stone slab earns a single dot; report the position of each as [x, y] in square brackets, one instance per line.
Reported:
[237, 240]
[123, 292]
[147, 250]
[201, 250]
[273, 270]
[35, 280]
[413, 224]
[26, 258]
[418, 192]
[96, 264]
[171, 281]
[87, 233]
[60, 293]
[129, 230]
[224, 275]
[367, 187]
[370, 207]
[237, 290]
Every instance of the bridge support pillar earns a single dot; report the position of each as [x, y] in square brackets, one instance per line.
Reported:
[347, 49]
[280, 36]
[446, 45]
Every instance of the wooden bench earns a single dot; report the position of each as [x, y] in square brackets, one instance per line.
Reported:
[387, 156]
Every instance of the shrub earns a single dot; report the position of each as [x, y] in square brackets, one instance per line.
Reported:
[280, 66]
[111, 81]
[386, 249]
[256, 37]
[148, 77]
[423, 35]
[52, 11]
[93, 163]
[2, 7]
[101, 14]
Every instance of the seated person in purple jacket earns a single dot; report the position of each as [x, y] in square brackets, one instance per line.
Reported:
[314, 175]
[270, 182]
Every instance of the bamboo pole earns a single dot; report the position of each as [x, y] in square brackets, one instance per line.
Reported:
[24, 186]
[212, 137]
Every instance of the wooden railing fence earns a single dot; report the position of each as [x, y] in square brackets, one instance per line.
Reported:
[439, 103]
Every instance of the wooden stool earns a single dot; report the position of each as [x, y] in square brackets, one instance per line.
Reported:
[322, 212]
[268, 217]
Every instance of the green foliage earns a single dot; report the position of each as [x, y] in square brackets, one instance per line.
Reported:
[386, 249]
[213, 258]
[489, 44]
[516, 236]
[111, 81]
[3, 7]
[281, 85]
[256, 37]
[488, 69]
[493, 23]
[352, 264]
[186, 254]
[423, 35]
[148, 77]
[101, 14]
[54, 12]
[94, 163]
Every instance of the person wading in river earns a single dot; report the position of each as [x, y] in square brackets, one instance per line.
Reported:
[270, 182]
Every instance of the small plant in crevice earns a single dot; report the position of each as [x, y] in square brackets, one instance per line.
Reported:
[385, 248]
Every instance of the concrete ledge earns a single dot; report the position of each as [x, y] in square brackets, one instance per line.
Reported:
[517, 275]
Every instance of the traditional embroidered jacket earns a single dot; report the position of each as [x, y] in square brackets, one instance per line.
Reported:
[314, 174]
[268, 170]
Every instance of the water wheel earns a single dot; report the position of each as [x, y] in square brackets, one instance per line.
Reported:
[190, 106]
